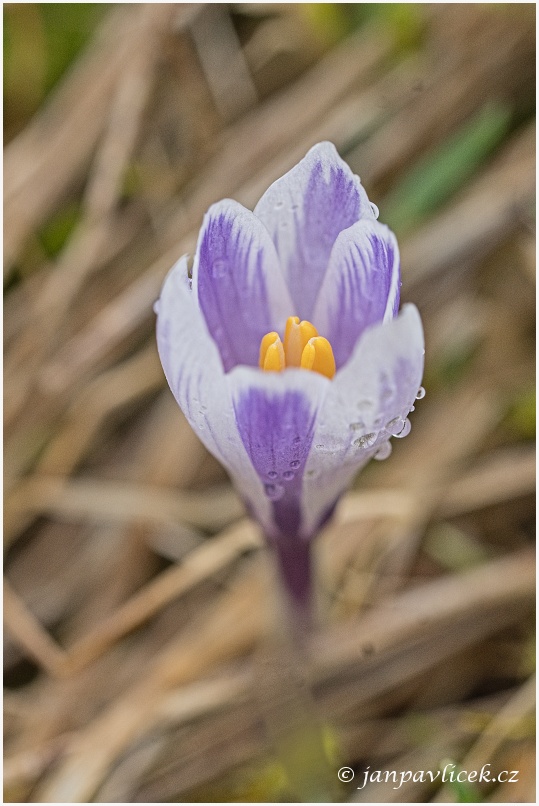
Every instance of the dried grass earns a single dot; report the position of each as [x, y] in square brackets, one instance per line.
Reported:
[135, 591]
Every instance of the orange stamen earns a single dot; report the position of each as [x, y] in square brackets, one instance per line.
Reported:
[267, 341]
[296, 336]
[271, 353]
[318, 357]
[302, 348]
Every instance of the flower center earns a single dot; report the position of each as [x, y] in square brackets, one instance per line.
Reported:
[302, 347]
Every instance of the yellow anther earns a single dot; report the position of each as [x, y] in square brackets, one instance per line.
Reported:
[272, 353]
[302, 347]
[267, 341]
[318, 356]
[296, 336]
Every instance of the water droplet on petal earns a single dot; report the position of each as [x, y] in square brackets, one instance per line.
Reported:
[319, 447]
[156, 306]
[413, 408]
[357, 426]
[219, 268]
[295, 464]
[272, 474]
[274, 491]
[366, 441]
[395, 426]
[420, 393]
[288, 475]
[406, 428]
[383, 451]
[375, 210]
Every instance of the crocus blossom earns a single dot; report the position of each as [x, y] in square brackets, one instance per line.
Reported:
[337, 385]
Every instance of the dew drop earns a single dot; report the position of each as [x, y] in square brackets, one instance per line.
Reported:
[295, 464]
[406, 428]
[357, 426]
[420, 393]
[156, 306]
[413, 408]
[272, 474]
[219, 268]
[395, 426]
[366, 441]
[319, 447]
[288, 475]
[375, 210]
[274, 491]
[383, 451]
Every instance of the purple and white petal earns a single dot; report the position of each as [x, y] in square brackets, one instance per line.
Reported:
[304, 211]
[361, 286]
[276, 418]
[368, 401]
[238, 282]
[194, 372]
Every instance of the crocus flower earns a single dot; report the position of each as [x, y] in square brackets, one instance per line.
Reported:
[286, 351]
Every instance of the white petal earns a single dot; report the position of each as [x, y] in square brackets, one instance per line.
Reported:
[361, 286]
[304, 212]
[195, 374]
[238, 282]
[377, 385]
[276, 417]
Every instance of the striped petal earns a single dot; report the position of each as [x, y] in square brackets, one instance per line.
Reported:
[367, 401]
[238, 282]
[304, 212]
[276, 418]
[195, 374]
[361, 286]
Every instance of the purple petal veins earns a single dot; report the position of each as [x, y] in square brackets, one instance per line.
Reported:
[361, 286]
[238, 280]
[304, 212]
[276, 426]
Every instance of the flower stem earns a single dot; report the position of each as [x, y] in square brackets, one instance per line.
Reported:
[288, 708]
[294, 563]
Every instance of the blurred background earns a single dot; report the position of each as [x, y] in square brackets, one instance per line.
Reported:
[135, 587]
